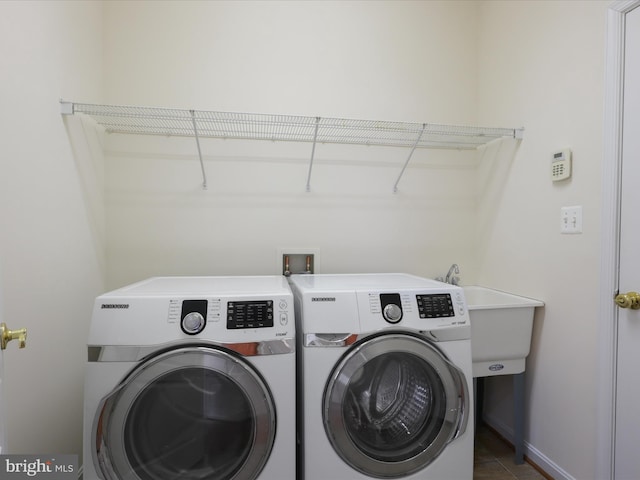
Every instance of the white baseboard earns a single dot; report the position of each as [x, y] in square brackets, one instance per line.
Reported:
[536, 456]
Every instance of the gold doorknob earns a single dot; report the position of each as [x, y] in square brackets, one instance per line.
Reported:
[628, 300]
[7, 335]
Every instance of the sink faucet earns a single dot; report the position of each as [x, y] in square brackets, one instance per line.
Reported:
[451, 278]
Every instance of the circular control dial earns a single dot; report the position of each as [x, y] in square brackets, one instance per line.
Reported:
[392, 313]
[192, 323]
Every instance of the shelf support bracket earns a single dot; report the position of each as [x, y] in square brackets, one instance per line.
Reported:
[66, 108]
[195, 131]
[313, 152]
[413, 148]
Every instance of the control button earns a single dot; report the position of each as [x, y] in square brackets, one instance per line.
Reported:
[392, 313]
[284, 319]
[283, 304]
[193, 323]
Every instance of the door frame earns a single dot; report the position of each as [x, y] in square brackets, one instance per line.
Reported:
[610, 234]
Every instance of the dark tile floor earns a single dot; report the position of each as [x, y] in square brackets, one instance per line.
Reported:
[493, 459]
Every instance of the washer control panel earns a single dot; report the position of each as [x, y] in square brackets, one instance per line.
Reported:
[415, 308]
[435, 305]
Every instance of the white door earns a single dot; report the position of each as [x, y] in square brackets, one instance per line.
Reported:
[2, 406]
[627, 428]
[6, 336]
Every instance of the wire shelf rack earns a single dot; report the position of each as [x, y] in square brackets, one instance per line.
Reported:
[255, 126]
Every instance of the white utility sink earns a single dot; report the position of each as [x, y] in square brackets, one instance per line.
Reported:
[501, 325]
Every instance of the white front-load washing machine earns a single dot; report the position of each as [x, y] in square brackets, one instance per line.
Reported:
[384, 376]
[192, 378]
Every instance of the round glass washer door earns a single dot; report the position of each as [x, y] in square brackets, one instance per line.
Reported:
[191, 413]
[392, 404]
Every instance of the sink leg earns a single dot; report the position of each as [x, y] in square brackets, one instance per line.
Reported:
[479, 391]
[518, 420]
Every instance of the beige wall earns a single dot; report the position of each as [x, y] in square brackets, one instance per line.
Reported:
[407, 61]
[538, 72]
[391, 59]
[51, 217]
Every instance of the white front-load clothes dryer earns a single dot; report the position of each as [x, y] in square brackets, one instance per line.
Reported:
[384, 375]
[192, 378]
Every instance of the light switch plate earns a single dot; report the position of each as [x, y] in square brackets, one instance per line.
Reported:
[571, 219]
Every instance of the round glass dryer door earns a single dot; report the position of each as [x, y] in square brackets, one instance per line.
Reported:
[190, 413]
[392, 404]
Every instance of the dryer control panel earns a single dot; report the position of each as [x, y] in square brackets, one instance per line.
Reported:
[271, 316]
[224, 310]
[253, 314]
